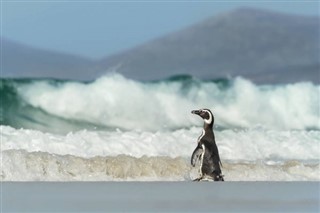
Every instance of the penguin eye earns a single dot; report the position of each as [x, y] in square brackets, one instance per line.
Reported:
[205, 114]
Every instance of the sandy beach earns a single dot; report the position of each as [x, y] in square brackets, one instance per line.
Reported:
[160, 197]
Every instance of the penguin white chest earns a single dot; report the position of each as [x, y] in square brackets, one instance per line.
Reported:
[201, 158]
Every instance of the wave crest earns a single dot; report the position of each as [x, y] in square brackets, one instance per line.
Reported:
[116, 102]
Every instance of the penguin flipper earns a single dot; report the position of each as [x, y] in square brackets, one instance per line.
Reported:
[196, 155]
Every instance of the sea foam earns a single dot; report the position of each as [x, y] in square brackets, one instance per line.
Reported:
[236, 145]
[115, 101]
[18, 165]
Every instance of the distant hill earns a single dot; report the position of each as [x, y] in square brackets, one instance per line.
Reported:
[260, 45]
[263, 46]
[20, 60]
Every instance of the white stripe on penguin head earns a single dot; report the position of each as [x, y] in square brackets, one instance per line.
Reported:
[209, 120]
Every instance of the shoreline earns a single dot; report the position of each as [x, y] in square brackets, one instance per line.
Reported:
[179, 196]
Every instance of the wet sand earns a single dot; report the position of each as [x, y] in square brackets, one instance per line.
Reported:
[160, 196]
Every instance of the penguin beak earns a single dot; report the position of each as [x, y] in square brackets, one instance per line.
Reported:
[197, 112]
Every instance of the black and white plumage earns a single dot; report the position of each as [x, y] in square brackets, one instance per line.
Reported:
[207, 151]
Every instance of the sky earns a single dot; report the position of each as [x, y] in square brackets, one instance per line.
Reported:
[96, 29]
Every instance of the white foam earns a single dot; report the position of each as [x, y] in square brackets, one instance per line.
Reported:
[40, 166]
[243, 145]
[115, 101]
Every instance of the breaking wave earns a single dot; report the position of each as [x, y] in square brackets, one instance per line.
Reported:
[115, 128]
[116, 102]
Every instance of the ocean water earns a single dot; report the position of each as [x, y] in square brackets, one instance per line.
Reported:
[117, 129]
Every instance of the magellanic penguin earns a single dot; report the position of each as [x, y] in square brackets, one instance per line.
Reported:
[207, 151]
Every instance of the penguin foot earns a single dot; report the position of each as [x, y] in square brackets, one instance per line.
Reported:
[209, 178]
[218, 178]
[198, 179]
[203, 178]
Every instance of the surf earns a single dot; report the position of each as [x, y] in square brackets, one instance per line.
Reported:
[19, 165]
[238, 145]
[116, 128]
[114, 101]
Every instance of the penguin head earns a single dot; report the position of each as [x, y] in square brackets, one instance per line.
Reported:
[205, 114]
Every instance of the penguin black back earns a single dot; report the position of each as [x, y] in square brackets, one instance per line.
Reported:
[207, 151]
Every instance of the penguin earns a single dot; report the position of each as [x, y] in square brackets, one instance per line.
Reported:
[207, 151]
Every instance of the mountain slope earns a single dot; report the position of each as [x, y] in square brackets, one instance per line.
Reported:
[260, 45]
[20, 60]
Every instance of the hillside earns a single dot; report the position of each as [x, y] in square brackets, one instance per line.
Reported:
[260, 45]
[22, 61]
